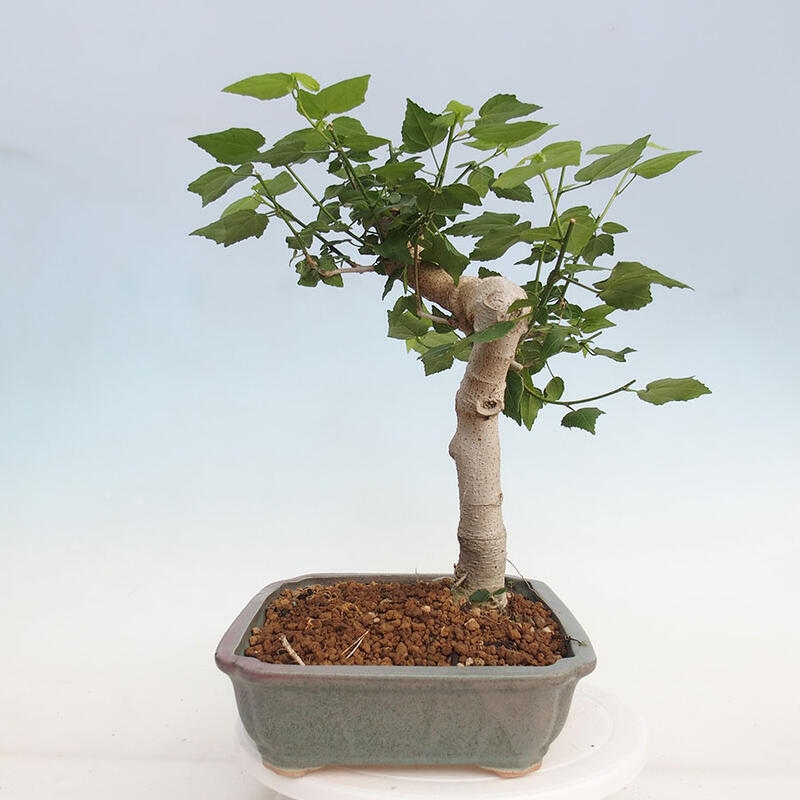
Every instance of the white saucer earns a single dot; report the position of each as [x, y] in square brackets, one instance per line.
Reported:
[600, 750]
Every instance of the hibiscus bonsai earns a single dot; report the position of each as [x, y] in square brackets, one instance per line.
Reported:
[422, 218]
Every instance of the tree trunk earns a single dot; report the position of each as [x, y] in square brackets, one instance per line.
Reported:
[478, 303]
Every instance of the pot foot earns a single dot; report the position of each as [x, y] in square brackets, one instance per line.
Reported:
[513, 773]
[290, 773]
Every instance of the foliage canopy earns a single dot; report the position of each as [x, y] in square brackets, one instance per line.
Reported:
[354, 202]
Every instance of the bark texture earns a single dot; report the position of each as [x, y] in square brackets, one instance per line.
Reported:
[478, 303]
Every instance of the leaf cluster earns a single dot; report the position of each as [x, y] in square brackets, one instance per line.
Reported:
[382, 206]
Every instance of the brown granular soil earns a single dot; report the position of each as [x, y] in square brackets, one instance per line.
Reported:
[409, 624]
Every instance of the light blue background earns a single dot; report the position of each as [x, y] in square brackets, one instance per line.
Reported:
[181, 424]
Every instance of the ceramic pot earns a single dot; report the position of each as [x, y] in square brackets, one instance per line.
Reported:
[306, 717]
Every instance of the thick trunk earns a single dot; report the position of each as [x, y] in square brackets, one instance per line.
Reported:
[478, 303]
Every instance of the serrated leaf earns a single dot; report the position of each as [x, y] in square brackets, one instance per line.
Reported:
[459, 111]
[496, 242]
[668, 390]
[234, 228]
[216, 182]
[336, 98]
[231, 146]
[628, 285]
[505, 135]
[250, 202]
[503, 107]
[394, 172]
[420, 131]
[598, 245]
[608, 166]
[519, 194]
[484, 223]
[583, 418]
[659, 165]
[352, 135]
[438, 351]
[297, 147]
[264, 87]
[554, 156]
[403, 321]
[595, 319]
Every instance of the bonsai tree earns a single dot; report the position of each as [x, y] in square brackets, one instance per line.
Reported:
[419, 213]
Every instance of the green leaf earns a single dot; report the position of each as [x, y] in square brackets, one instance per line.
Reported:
[529, 407]
[283, 182]
[480, 178]
[264, 87]
[583, 418]
[495, 243]
[404, 322]
[438, 350]
[505, 135]
[519, 194]
[614, 355]
[459, 111]
[554, 389]
[493, 332]
[351, 134]
[606, 149]
[628, 285]
[613, 228]
[485, 223]
[334, 99]
[503, 107]
[595, 319]
[556, 155]
[216, 182]
[583, 228]
[513, 395]
[234, 228]
[599, 245]
[450, 200]
[654, 167]
[420, 131]
[297, 147]
[480, 596]
[345, 95]
[394, 172]
[441, 252]
[667, 390]
[613, 164]
[232, 146]
[306, 81]
[250, 202]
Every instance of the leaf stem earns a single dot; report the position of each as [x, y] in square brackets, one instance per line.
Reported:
[570, 403]
[616, 193]
[321, 207]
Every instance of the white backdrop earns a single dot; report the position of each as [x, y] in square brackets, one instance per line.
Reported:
[180, 425]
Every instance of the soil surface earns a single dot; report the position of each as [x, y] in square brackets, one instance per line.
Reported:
[408, 624]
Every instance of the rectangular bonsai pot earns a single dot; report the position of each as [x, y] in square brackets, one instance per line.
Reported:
[306, 717]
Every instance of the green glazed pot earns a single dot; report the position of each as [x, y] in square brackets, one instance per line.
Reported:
[306, 717]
